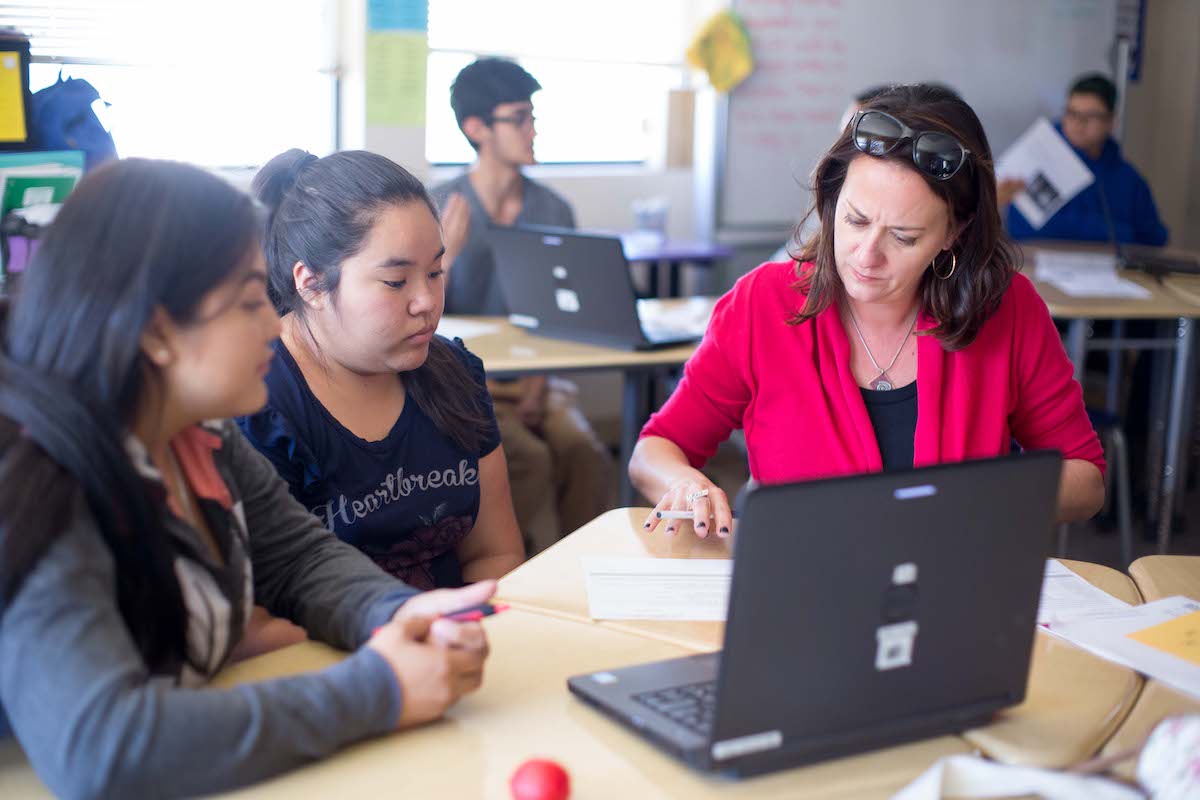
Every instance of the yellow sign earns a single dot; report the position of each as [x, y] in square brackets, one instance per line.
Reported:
[1180, 637]
[12, 98]
[722, 49]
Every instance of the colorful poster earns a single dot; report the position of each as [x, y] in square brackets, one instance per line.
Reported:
[397, 15]
[12, 98]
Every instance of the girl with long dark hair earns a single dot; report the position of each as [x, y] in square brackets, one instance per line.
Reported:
[138, 530]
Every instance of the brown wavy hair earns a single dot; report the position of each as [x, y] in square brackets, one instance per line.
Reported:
[985, 257]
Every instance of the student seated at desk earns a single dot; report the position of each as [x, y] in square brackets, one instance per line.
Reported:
[903, 336]
[553, 455]
[380, 427]
[1118, 203]
[137, 529]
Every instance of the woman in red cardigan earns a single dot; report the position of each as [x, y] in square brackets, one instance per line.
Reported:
[902, 335]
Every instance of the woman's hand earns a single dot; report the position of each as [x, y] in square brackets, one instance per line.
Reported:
[436, 661]
[704, 499]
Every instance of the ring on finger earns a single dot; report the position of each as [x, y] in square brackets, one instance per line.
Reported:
[694, 496]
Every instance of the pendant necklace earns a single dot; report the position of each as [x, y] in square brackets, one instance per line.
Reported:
[882, 382]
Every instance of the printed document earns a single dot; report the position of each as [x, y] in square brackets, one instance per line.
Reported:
[1052, 172]
[657, 588]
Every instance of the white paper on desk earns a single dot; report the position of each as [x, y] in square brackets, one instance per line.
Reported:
[1085, 275]
[1066, 597]
[1109, 638]
[657, 588]
[464, 328]
[1052, 172]
[971, 776]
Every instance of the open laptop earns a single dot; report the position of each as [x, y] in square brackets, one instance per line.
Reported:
[570, 285]
[863, 612]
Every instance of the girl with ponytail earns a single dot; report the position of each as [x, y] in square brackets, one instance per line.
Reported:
[380, 427]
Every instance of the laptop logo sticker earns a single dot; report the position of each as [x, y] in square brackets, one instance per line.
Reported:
[567, 300]
[745, 745]
[523, 320]
[894, 645]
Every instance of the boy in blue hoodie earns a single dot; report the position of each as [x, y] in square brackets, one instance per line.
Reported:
[1087, 125]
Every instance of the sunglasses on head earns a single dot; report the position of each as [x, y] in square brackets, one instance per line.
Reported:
[938, 155]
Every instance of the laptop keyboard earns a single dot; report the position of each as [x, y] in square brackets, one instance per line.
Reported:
[691, 706]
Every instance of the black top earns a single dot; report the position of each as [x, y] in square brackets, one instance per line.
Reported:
[893, 415]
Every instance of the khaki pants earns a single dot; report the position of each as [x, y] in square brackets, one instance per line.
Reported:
[561, 476]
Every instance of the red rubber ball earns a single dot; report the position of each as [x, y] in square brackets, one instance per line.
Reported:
[540, 779]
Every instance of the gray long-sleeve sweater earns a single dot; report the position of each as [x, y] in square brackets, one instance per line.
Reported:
[95, 722]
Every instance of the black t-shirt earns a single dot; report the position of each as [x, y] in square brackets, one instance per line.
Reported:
[406, 501]
[893, 415]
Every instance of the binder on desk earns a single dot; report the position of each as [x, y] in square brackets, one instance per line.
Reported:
[30, 179]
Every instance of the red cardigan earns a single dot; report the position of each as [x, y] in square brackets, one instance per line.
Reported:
[791, 389]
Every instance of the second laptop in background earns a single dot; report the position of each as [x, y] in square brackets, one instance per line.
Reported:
[571, 285]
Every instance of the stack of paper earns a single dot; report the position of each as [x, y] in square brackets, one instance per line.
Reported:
[1066, 597]
[1159, 639]
[1085, 275]
[657, 588]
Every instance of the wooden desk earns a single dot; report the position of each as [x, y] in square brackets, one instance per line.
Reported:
[1156, 577]
[1166, 576]
[1074, 700]
[523, 711]
[509, 351]
[1169, 301]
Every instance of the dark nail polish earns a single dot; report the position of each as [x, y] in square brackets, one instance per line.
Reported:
[647, 525]
[724, 529]
[700, 525]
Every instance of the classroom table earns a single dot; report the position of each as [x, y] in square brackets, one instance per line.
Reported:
[524, 711]
[1156, 577]
[659, 253]
[509, 351]
[1167, 303]
[1074, 700]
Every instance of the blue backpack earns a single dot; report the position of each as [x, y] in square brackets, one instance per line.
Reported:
[62, 119]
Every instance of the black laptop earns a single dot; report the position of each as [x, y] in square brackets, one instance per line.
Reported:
[566, 284]
[864, 612]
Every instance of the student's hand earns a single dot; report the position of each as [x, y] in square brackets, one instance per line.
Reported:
[431, 677]
[1007, 189]
[456, 223]
[440, 602]
[710, 512]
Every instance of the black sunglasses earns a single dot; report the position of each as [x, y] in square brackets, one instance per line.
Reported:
[938, 155]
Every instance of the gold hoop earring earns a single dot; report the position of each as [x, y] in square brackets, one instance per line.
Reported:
[953, 266]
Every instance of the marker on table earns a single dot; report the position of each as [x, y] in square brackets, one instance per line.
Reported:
[472, 614]
[476, 613]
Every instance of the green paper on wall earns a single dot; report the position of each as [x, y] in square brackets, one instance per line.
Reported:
[396, 78]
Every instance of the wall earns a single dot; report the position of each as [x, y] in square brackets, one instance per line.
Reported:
[1163, 116]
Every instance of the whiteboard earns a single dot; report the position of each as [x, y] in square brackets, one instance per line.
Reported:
[1012, 60]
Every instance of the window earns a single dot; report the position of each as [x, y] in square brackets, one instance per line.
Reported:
[605, 69]
[219, 83]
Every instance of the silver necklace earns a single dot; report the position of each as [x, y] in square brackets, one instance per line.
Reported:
[882, 382]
